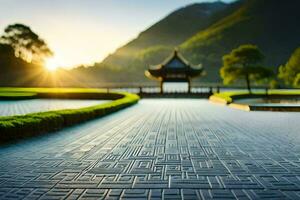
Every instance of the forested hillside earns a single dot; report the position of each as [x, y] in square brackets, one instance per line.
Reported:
[271, 25]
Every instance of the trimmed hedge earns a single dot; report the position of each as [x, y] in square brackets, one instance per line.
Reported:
[17, 95]
[23, 126]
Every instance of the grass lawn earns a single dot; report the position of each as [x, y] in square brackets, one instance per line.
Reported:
[49, 90]
[17, 94]
[23, 126]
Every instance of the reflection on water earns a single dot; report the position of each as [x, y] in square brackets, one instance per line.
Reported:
[8, 108]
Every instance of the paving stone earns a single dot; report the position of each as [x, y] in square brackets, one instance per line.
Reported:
[171, 149]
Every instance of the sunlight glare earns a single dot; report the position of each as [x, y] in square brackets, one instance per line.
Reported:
[52, 64]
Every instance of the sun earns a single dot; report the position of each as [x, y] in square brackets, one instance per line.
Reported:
[52, 64]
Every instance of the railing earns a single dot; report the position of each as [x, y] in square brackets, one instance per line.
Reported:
[156, 90]
[195, 90]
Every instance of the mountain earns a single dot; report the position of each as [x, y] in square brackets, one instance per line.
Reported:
[271, 25]
[204, 32]
[153, 45]
[170, 31]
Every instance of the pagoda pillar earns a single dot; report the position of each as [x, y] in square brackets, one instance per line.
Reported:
[161, 87]
[189, 86]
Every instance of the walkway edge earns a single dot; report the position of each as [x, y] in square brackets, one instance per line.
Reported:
[217, 100]
[238, 106]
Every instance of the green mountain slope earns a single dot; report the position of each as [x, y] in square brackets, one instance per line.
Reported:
[205, 32]
[272, 25]
[161, 38]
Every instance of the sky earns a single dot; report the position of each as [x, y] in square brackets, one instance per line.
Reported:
[86, 31]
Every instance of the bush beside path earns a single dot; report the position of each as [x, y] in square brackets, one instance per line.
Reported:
[23, 126]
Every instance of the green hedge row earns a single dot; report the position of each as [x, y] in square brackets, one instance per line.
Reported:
[18, 127]
[17, 95]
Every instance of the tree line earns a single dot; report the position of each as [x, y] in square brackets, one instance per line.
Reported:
[246, 63]
[20, 47]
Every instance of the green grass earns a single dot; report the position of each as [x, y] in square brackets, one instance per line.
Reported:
[229, 97]
[15, 94]
[23, 126]
[49, 90]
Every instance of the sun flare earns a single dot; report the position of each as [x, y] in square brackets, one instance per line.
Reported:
[52, 64]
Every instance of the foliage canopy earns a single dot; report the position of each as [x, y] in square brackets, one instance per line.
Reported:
[290, 72]
[244, 62]
[26, 44]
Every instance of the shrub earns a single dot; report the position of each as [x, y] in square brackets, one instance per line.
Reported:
[18, 127]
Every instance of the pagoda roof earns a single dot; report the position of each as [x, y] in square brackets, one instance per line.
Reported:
[174, 61]
[174, 68]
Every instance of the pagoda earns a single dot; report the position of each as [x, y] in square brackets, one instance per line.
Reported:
[174, 69]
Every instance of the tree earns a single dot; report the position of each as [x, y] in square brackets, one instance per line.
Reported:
[290, 72]
[26, 44]
[244, 62]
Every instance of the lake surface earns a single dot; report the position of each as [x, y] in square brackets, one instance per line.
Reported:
[21, 107]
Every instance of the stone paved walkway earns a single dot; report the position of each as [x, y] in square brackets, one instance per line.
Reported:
[169, 149]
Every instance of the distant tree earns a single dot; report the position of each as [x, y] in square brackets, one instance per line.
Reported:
[290, 72]
[26, 44]
[274, 84]
[244, 62]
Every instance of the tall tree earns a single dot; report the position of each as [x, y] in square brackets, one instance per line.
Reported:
[26, 44]
[290, 72]
[244, 62]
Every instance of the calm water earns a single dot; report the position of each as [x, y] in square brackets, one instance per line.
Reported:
[21, 107]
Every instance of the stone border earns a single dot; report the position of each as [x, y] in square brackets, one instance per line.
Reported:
[218, 100]
[246, 107]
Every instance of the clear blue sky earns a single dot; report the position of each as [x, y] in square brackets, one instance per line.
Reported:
[85, 31]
